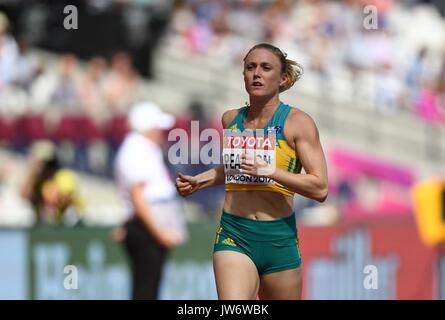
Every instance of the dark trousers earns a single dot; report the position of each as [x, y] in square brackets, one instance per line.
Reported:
[147, 258]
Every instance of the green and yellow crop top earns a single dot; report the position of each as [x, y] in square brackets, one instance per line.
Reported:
[269, 143]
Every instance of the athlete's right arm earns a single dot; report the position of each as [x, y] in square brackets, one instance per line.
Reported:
[186, 185]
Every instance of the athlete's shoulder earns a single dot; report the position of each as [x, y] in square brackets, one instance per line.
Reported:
[301, 123]
[298, 116]
[228, 116]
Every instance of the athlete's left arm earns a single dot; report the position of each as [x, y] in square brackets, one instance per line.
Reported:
[313, 184]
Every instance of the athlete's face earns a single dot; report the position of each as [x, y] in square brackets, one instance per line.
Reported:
[262, 73]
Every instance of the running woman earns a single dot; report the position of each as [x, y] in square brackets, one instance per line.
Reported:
[256, 249]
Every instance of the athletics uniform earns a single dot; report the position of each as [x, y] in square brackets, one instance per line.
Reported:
[272, 245]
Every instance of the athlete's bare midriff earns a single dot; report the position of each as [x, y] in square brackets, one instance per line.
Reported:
[258, 205]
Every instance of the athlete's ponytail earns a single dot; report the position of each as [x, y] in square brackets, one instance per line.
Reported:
[294, 71]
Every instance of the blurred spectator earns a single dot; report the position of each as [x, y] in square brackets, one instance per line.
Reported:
[51, 189]
[243, 19]
[358, 60]
[65, 93]
[182, 18]
[329, 36]
[416, 74]
[121, 84]
[277, 28]
[27, 65]
[91, 93]
[155, 220]
[345, 189]
[8, 53]
[388, 90]
[57, 88]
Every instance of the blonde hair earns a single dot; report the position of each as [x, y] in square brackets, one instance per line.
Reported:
[291, 68]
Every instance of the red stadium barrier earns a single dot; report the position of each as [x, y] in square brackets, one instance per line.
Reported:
[7, 129]
[31, 127]
[77, 129]
[116, 129]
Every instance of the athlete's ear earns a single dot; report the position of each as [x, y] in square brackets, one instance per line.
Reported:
[283, 79]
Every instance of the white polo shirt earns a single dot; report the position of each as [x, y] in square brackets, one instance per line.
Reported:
[140, 160]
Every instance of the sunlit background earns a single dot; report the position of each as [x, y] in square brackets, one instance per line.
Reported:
[374, 84]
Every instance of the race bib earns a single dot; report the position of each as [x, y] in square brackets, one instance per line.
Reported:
[254, 143]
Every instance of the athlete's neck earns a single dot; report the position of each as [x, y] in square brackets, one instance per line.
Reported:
[261, 108]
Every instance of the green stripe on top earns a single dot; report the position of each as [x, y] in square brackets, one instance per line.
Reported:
[291, 162]
[279, 119]
[297, 165]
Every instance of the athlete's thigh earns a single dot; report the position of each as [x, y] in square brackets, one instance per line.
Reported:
[236, 276]
[282, 285]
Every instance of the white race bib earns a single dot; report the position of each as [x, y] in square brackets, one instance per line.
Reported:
[258, 145]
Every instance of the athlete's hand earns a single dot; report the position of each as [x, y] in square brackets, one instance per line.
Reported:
[255, 166]
[186, 185]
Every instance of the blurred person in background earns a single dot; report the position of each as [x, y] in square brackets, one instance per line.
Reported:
[90, 89]
[120, 86]
[65, 93]
[57, 89]
[27, 65]
[155, 217]
[415, 76]
[388, 93]
[8, 53]
[256, 251]
[51, 190]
